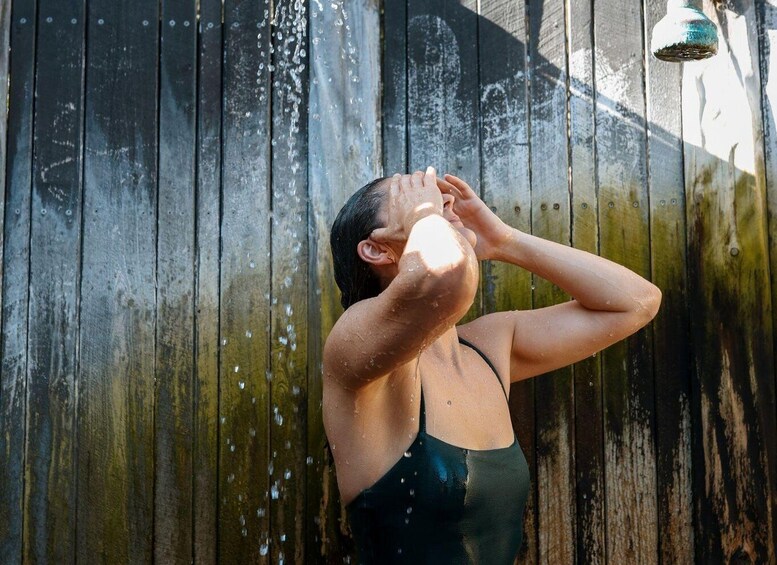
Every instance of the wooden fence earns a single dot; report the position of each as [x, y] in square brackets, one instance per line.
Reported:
[170, 176]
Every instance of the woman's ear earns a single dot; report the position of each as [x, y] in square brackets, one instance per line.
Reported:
[375, 253]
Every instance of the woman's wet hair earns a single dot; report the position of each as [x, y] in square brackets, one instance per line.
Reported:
[355, 222]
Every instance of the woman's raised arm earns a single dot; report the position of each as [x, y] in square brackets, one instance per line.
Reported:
[610, 301]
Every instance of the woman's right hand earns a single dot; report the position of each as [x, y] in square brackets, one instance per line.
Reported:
[411, 197]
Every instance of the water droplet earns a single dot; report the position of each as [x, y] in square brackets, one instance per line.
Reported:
[249, 333]
[287, 474]
[412, 492]
[268, 375]
[252, 265]
[449, 403]
[242, 520]
[241, 385]
[145, 22]
[263, 549]
[260, 512]
[295, 390]
[237, 368]
[232, 447]
[223, 419]
[43, 212]
[270, 468]
[231, 477]
[100, 21]
[309, 460]
[283, 537]
[244, 532]
[252, 432]
[49, 20]
[408, 454]
[409, 509]
[68, 212]
[172, 23]
[274, 494]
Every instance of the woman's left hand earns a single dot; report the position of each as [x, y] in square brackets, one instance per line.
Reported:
[490, 232]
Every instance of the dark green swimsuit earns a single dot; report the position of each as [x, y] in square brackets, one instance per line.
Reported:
[444, 504]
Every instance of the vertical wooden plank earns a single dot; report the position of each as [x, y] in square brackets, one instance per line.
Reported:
[589, 425]
[55, 245]
[175, 284]
[116, 336]
[345, 153]
[504, 158]
[734, 420]
[244, 433]
[394, 58]
[670, 329]
[442, 87]
[208, 241]
[5, 44]
[442, 92]
[289, 338]
[551, 220]
[630, 480]
[767, 35]
[16, 252]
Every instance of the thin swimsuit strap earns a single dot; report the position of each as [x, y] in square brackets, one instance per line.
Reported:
[422, 423]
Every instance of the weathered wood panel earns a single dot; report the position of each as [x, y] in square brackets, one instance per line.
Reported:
[289, 334]
[504, 145]
[208, 212]
[730, 300]
[208, 216]
[394, 86]
[16, 252]
[244, 432]
[632, 533]
[344, 154]
[55, 245]
[5, 43]
[589, 430]
[118, 300]
[767, 34]
[671, 367]
[551, 220]
[443, 93]
[173, 471]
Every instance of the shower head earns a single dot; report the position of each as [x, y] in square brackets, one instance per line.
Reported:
[684, 34]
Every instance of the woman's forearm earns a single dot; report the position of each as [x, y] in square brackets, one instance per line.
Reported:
[596, 283]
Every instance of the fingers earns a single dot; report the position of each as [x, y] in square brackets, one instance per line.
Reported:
[447, 188]
[463, 187]
[380, 235]
[417, 180]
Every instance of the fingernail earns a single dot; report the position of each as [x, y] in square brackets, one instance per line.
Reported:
[429, 170]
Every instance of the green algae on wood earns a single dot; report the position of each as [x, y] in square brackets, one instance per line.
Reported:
[632, 535]
[735, 447]
[118, 298]
[244, 399]
[173, 418]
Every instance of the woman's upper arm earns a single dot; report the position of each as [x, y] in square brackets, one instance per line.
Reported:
[375, 336]
[556, 336]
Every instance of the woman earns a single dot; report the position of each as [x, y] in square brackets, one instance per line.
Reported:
[415, 407]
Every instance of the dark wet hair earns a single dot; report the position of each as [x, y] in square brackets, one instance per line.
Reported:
[355, 221]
